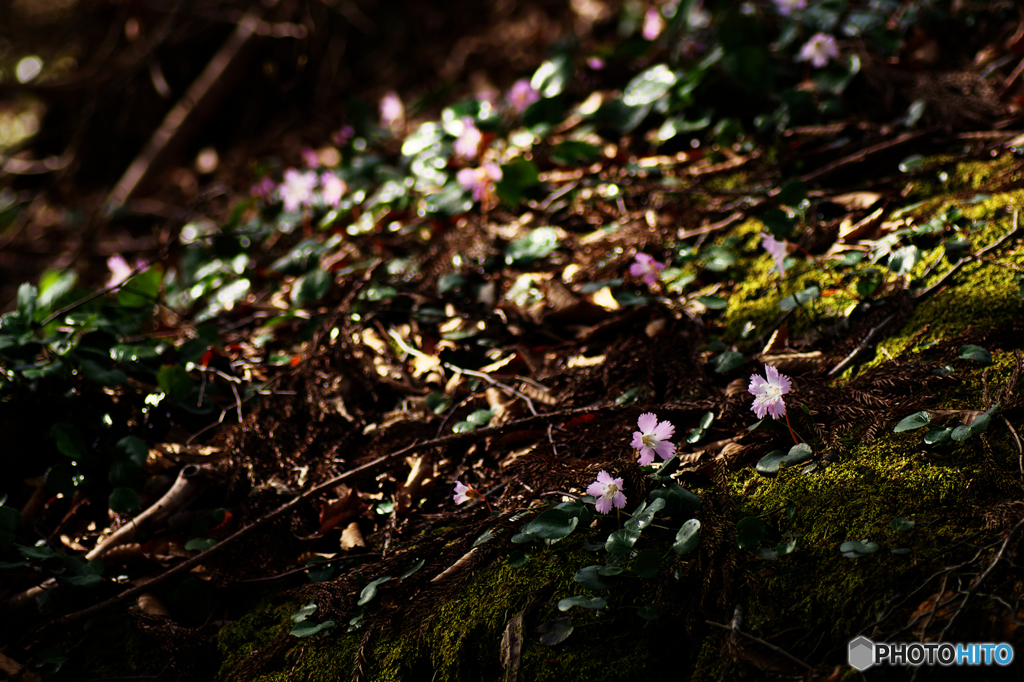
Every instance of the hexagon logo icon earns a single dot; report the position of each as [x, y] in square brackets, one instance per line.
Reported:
[861, 654]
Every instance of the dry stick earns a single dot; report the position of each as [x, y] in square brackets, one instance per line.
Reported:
[848, 360]
[863, 154]
[263, 520]
[182, 119]
[963, 261]
[781, 652]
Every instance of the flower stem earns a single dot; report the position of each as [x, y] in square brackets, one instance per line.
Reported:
[791, 431]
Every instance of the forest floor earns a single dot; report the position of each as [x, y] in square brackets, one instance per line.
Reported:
[241, 400]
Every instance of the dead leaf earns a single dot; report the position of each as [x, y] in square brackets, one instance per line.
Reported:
[352, 537]
[793, 362]
[341, 510]
[151, 605]
[849, 230]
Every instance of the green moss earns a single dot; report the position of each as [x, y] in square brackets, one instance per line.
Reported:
[267, 621]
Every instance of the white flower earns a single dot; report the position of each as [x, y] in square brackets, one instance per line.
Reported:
[819, 49]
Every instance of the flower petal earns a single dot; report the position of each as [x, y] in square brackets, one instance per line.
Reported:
[647, 422]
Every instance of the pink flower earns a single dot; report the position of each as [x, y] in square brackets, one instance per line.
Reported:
[297, 189]
[768, 392]
[332, 189]
[343, 135]
[310, 157]
[465, 493]
[596, 63]
[653, 24]
[653, 438]
[392, 112]
[819, 49]
[646, 268]
[264, 188]
[608, 492]
[786, 7]
[479, 179]
[468, 143]
[777, 250]
[522, 95]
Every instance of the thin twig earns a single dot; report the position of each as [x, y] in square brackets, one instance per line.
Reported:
[848, 360]
[782, 652]
[981, 578]
[963, 261]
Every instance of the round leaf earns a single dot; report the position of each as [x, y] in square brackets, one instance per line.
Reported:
[555, 631]
[593, 603]
[649, 86]
[914, 421]
[688, 537]
[749, 532]
[976, 353]
[554, 524]
[124, 500]
[649, 612]
[647, 563]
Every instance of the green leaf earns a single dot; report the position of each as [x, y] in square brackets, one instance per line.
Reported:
[961, 433]
[688, 537]
[778, 222]
[792, 193]
[799, 298]
[132, 449]
[622, 541]
[976, 353]
[590, 578]
[308, 629]
[644, 515]
[629, 397]
[538, 244]
[647, 563]
[718, 258]
[749, 532]
[903, 259]
[784, 548]
[123, 500]
[27, 296]
[914, 421]
[104, 377]
[938, 436]
[483, 537]
[311, 287]
[302, 258]
[200, 544]
[175, 382]
[852, 549]
[516, 178]
[555, 631]
[713, 302]
[69, 441]
[518, 558]
[55, 286]
[552, 76]
[370, 591]
[774, 461]
[553, 524]
[649, 86]
[142, 290]
[574, 153]
[900, 523]
[706, 419]
[729, 360]
[593, 603]
[649, 612]
[911, 163]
